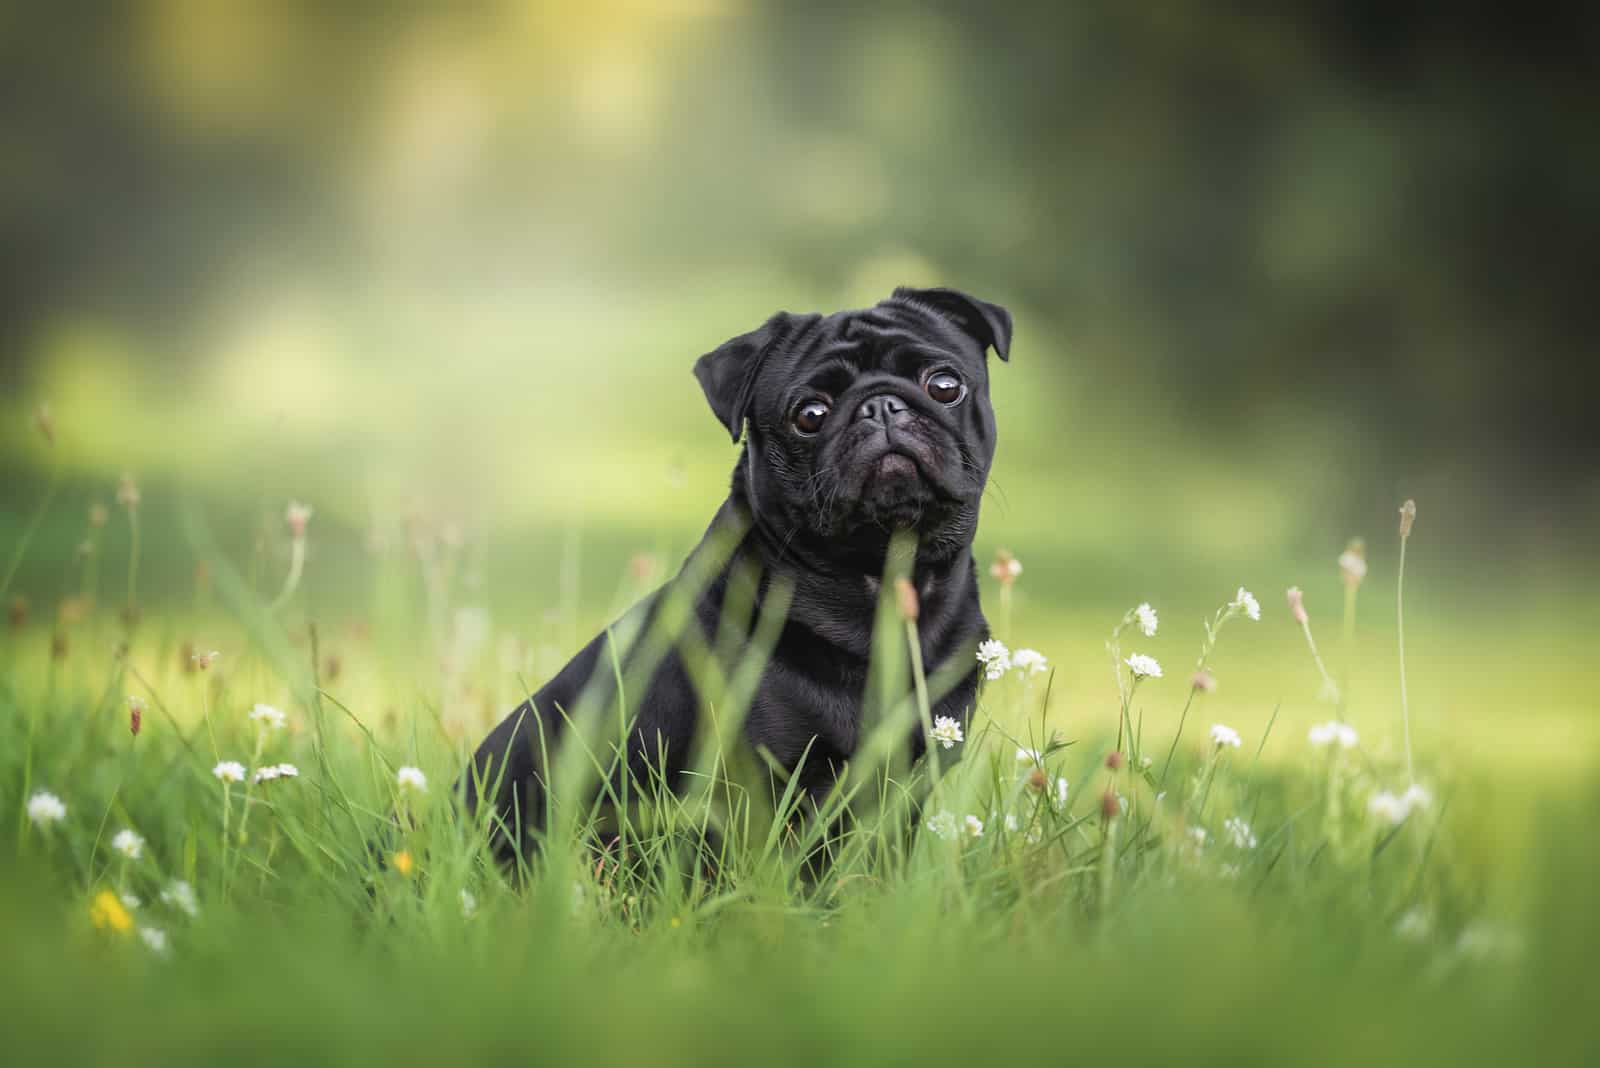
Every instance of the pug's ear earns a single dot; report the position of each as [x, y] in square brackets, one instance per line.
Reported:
[728, 373]
[988, 324]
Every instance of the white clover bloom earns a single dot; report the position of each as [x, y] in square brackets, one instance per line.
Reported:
[469, 904]
[995, 658]
[1143, 667]
[45, 808]
[972, 826]
[1029, 662]
[129, 843]
[1222, 734]
[947, 731]
[229, 771]
[410, 778]
[1030, 757]
[272, 717]
[1415, 797]
[155, 938]
[1388, 807]
[1239, 833]
[1146, 617]
[180, 895]
[1245, 601]
[1414, 925]
[943, 824]
[1333, 733]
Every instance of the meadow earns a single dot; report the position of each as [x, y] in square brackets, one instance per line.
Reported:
[1174, 830]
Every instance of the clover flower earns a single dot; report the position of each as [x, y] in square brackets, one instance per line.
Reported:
[995, 658]
[1239, 833]
[947, 731]
[972, 826]
[1222, 734]
[942, 824]
[1331, 733]
[410, 778]
[155, 938]
[45, 808]
[129, 843]
[1245, 601]
[229, 771]
[1143, 667]
[1146, 617]
[272, 717]
[1029, 662]
[180, 895]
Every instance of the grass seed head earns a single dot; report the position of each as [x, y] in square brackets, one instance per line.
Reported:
[1297, 606]
[135, 714]
[1006, 567]
[1408, 516]
[1114, 760]
[905, 596]
[127, 492]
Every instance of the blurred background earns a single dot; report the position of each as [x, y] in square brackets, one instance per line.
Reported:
[445, 268]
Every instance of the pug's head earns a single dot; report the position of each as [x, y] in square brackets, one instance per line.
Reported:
[860, 423]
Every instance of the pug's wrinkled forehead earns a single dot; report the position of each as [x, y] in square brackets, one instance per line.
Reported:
[910, 327]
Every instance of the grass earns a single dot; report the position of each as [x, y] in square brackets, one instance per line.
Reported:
[343, 916]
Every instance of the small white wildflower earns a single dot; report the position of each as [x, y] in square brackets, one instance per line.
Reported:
[229, 771]
[995, 658]
[972, 826]
[129, 843]
[1239, 833]
[1388, 807]
[1029, 662]
[1199, 836]
[1146, 763]
[45, 808]
[410, 778]
[1245, 601]
[1060, 800]
[288, 771]
[1143, 667]
[272, 717]
[266, 774]
[1012, 826]
[1414, 925]
[469, 904]
[947, 731]
[1333, 732]
[1146, 617]
[155, 938]
[1222, 734]
[180, 895]
[1353, 566]
[1415, 797]
[131, 900]
[943, 824]
[1160, 797]
[1030, 757]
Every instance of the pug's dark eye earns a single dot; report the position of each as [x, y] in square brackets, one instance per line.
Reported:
[944, 387]
[809, 416]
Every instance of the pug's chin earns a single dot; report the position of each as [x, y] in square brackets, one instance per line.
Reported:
[892, 493]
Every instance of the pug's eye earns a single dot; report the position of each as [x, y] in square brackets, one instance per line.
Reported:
[809, 416]
[944, 387]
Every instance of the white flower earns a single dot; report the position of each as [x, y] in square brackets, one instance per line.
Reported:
[1416, 797]
[1239, 833]
[128, 842]
[272, 717]
[943, 824]
[1029, 662]
[180, 895]
[131, 900]
[410, 778]
[275, 771]
[1245, 601]
[1333, 732]
[1222, 734]
[229, 771]
[1143, 667]
[1199, 835]
[45, 808]
[1230, 871]
[1146, 763]
[972, 826]
[1414, 925]
[947, 731]
[1012, 826]
[1388, 807]
[995, 658]
[1060, 800]
[155, 938]
[1353, 565]
[1030, 756]
[469, 904]
[1146, 617]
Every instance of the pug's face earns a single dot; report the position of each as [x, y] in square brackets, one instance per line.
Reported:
[865, 422]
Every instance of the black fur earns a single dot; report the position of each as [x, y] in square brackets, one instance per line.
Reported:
[818, 513]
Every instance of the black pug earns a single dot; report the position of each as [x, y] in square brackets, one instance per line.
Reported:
[855, 425]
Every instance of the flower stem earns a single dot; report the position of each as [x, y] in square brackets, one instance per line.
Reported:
[1400, 622]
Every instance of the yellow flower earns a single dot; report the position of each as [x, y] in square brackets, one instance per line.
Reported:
[403, 862]
[107, 911]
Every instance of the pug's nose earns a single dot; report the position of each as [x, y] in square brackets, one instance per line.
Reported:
[885, 408]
